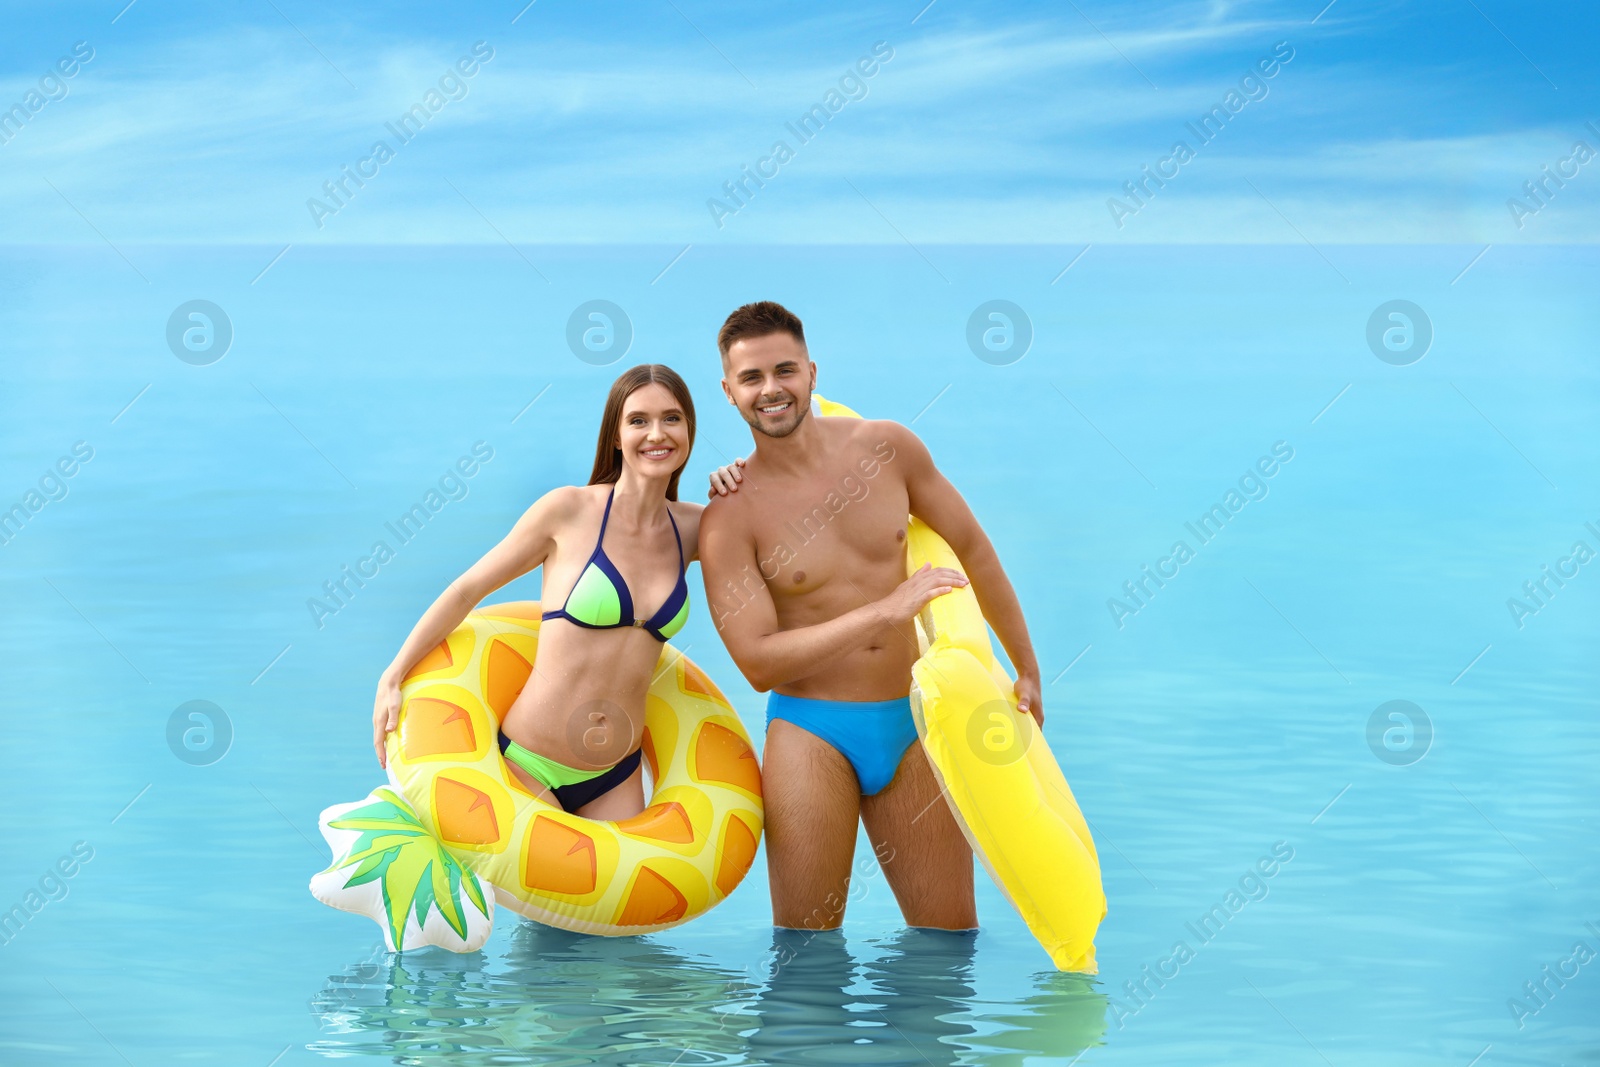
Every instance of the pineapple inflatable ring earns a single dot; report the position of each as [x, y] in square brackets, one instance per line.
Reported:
[415, 857]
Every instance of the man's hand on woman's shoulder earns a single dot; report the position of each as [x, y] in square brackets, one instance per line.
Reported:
[726, 479]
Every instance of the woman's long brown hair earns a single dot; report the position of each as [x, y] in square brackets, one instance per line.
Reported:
[607, 457]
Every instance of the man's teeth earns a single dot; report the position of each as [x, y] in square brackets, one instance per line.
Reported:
[773, 409]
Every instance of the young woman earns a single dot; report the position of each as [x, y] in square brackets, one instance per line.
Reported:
[613, 589]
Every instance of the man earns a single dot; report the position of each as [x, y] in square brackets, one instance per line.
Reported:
[804, 569]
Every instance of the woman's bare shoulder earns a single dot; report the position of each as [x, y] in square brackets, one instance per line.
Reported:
[562, 505]
[688, 513]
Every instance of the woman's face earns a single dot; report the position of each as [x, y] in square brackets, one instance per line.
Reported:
[653, 437]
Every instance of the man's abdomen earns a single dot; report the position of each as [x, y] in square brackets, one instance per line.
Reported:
[878, 670]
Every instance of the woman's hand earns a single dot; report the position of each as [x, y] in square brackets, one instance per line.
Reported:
[913, 594]
[385, 714]
[725, 480]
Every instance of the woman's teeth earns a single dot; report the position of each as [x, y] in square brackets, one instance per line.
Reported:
[656, 453]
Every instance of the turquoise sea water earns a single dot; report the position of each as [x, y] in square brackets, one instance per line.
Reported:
[1435, 863]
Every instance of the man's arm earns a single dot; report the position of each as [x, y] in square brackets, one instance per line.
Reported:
[936, 502]
[747, 619]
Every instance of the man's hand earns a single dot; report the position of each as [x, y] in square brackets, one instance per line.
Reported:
[913, 594]
[725, 480]
[385, 714]
[1029, 698]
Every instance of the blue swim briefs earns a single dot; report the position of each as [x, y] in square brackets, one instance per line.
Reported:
[872, 734]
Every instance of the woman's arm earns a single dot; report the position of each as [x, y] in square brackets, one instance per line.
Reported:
[527, 546]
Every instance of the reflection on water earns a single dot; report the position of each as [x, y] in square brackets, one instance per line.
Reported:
[1065, 1015]
[913, 1004]
[558, 998]
[820, 1006]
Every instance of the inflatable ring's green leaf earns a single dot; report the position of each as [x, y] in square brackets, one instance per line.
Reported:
[380, 844]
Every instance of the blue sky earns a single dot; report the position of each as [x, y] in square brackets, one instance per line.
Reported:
[620, 122]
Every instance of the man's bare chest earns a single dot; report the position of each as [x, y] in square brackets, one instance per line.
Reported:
[810, 531]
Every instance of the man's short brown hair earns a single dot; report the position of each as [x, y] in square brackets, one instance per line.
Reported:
[758, 320]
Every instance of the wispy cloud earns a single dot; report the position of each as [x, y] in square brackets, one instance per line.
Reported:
[985, 126]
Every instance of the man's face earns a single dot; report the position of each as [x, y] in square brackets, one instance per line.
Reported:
[769, 379]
